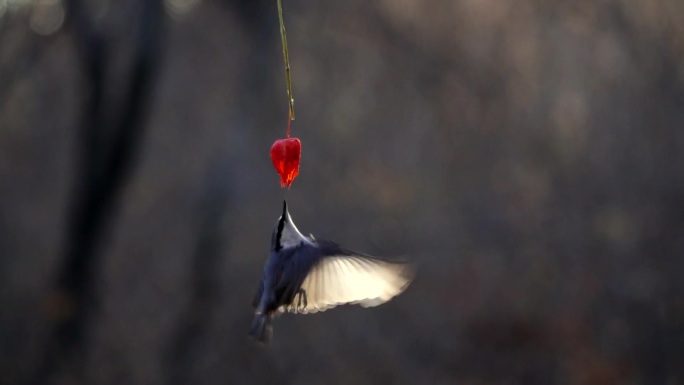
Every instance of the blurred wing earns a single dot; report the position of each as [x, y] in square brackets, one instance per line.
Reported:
[350, 279]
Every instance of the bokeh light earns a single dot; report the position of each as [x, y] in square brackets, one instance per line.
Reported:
[47, 16]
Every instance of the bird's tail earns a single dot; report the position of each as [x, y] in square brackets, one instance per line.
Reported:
[262, 328]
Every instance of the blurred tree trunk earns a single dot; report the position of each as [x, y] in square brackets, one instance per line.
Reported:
[108, 142]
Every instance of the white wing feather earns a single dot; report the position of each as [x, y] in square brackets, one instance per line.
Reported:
[352, 279]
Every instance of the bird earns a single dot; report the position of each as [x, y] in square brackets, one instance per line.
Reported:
[304, 275]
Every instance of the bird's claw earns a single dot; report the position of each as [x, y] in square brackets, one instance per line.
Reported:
[301, 299]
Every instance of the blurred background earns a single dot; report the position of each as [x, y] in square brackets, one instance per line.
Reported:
[527, 154]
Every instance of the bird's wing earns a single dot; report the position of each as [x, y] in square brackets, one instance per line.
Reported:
[337, 276]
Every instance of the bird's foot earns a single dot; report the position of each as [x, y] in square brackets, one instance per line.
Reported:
[301, 299]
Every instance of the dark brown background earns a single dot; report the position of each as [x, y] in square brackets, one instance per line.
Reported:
[527, 154]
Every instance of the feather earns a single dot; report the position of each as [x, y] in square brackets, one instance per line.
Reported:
[329, 276]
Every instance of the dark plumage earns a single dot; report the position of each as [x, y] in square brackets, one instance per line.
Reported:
[304, 275]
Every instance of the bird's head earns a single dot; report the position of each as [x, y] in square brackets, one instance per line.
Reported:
[285, 234]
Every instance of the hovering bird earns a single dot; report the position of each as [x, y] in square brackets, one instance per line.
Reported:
[305, 275]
